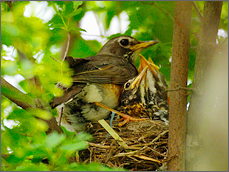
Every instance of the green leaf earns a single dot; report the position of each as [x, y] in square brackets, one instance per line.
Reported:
[77, 29]
[75, 12]
[39, 154]
[109, 17]
[93, 166]
[27, 68]
[74, 147]
[57, 25]
[29, 166]
[43, 114]
[4, 6]
[8, 33]
[53, 140]
[83, 136]
[14, 160]
[76, 4]
[82, 48]
[8, 67]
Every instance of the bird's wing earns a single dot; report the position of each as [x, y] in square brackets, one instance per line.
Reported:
[69, 93]
[74, 62]
[109, 70]
[104, 70]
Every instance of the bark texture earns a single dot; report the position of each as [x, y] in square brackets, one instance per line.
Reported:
[207, 134]
[179, 74]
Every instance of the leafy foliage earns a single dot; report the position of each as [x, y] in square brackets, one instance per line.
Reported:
[31, 47]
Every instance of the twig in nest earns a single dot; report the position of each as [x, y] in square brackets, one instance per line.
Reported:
[147, 158]
[134, 159]
[110, 164]
[154, 140]
[91, 153]
[113, 133]
[126, 154]
[98, 146]
[110, 154]
[108, 147]
[146, 135]
[158, 137]
[160, 154]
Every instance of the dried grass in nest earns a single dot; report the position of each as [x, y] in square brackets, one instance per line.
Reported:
[147, 146]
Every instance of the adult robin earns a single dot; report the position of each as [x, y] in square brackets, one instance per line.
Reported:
[99, 80]
[145, 96]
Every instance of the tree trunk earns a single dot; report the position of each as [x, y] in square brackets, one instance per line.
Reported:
[207, 132]
[179, 74]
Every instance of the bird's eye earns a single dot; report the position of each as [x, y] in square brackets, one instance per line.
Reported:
[124, 42]
[127, 85]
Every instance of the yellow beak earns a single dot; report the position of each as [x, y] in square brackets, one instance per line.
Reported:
[144, 65]
[138, 79]
[154, 68]
[142, 45]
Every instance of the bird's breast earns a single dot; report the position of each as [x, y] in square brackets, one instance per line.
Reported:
[81, 109]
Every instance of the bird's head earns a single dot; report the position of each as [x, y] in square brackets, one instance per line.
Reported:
[148, 82]
[132, 89]
[126, 47]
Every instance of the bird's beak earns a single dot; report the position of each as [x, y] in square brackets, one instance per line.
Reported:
[144, 65]
[142, 45]
[153, 68]
[138, 79]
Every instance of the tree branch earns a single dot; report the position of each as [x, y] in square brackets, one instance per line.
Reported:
[10, 3]
[16, 96]
[26, 102]
[197, 11]
[179, 75]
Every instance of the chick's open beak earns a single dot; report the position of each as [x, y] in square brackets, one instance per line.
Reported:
[153, 68]
[138, 79]
[142, 45]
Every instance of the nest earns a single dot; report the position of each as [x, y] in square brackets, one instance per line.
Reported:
[147, 148]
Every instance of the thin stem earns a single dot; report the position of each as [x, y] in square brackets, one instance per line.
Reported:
[57, 11]
[166, 12]
[67, 46]
[197, 11]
